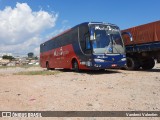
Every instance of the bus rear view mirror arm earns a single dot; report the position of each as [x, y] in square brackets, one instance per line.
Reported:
[129, 34]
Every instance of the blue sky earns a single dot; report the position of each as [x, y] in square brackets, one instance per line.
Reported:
[124, 13]
[69, 13]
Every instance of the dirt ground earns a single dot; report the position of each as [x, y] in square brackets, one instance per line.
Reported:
[110, 90]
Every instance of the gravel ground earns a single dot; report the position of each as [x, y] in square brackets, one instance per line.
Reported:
[110, 90]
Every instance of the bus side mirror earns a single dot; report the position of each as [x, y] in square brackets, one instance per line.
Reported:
[92, 35]
[129, 34]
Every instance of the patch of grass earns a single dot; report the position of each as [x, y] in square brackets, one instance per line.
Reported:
[21, 66]
[38, 73]
[4, 67]
[28, 66]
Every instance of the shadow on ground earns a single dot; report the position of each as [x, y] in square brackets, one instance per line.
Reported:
[152, 70]
[92, 72]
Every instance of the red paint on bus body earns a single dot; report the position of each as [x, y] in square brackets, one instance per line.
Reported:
[60, 58]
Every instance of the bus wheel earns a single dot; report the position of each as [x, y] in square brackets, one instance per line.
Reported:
[47, 66]
[148, 64]
[75, 66]
[132, 64]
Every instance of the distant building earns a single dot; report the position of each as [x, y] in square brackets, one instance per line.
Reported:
[4, 62]
[18, 60]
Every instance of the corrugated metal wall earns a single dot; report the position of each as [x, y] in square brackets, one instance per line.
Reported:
[143, 34]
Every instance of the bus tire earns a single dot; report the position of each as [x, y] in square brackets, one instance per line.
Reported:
[132, 64]
[148, 64]
[47, 66]
[75, 66]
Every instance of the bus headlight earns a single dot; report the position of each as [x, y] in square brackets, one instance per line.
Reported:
[99, 60]
[88, 63]
[123, 59]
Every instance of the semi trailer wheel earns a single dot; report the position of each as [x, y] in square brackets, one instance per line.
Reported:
[158, 59]
[148, 64]
[132, 64]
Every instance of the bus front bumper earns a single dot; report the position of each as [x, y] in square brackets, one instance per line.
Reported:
[106, 65]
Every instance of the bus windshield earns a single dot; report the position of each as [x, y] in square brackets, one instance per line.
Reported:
[106, 39]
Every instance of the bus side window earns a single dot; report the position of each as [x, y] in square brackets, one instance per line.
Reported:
[87, 42]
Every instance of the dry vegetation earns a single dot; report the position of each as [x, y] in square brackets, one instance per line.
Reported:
[34, 88]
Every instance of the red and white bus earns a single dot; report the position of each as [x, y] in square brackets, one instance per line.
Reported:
[90, 45]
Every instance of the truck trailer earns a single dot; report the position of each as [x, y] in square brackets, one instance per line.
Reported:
[142, 46]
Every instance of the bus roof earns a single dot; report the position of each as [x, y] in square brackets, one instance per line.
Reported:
[84, 23]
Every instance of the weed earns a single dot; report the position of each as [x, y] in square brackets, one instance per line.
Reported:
[38, 73]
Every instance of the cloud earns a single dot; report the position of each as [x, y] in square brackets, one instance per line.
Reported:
[24, 47]
[57, 31]
[20, 27]
[65, 25]
[64, 21]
